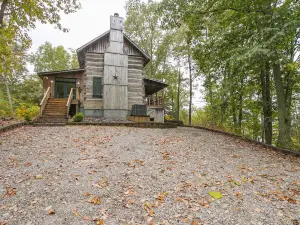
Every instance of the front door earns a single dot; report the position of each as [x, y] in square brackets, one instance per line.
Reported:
[63, 87]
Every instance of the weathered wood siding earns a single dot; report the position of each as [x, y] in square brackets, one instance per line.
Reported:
[131, 50]
[135, 81]
[94, 67]
[99, 46]
[115, 81]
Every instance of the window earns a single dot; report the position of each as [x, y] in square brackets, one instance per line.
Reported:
[97, 87]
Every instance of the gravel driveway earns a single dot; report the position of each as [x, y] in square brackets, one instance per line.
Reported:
[118, 175]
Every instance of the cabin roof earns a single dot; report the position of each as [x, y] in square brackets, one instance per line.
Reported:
[85, 46]
[153, 85]
[59, 72]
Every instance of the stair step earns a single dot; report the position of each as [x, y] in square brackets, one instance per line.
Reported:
[49, 124]
[54, 114]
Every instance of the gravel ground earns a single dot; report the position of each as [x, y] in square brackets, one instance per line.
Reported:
[118, 175]
[104, 120]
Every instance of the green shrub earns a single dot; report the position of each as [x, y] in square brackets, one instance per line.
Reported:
[27, 117]
[4, 109]
[78, 117]
[27, 112]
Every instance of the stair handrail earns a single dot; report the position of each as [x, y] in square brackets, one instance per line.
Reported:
[44, 101]
[69, 101]
[77, 94]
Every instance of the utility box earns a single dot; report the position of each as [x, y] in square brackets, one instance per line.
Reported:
[139, 110]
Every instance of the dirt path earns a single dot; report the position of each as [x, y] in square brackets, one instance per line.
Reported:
[118, 175]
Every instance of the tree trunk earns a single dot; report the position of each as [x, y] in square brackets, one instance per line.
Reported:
[178, 95]
[2, 12]
[211, 99]
[266, 103]
[191, 90]
[9, 98]
[284, 104]
[240, 118]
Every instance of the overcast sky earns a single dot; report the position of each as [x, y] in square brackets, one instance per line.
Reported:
[86, 24]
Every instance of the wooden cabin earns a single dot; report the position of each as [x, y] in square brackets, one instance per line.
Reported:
[110, 82]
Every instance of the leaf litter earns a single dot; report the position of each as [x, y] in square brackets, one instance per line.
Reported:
[158, 176]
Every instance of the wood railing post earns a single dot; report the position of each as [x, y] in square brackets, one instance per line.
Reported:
[69, 101]
[44, 101]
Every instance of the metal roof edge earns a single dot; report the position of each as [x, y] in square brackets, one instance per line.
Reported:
[59, 71]
[155, 80]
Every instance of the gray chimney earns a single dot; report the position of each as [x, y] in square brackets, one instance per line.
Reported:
[116, 34]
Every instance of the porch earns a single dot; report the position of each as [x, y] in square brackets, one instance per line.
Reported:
[154, 99]
[62, 94]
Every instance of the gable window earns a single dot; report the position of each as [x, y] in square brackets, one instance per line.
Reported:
[97, 87]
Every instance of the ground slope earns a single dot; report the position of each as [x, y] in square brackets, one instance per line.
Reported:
[118, 175]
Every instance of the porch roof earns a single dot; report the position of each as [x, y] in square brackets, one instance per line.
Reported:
[40, 74]
[152, 85]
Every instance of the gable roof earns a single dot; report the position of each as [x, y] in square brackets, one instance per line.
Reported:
[80, 51]
[92, 41]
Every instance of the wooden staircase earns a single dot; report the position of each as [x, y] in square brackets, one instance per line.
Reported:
[55, 112]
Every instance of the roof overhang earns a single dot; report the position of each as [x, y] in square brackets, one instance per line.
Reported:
[81, 50]
[152, 86]
[41, 74]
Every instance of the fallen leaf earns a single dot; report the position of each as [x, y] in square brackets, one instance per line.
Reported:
[27, 164]
[141, 162]
[39, 177]
[238, 194]
[237, 183]
[161, 197]
[215, 194]
[51, 212]
[103, 182]
[10, 192]
[293, 201]
[86, 218]
[151, 212]
[204, 203]
[100, 222]
[76, 212]
[86, 194]
[244, 179]
[94, 200]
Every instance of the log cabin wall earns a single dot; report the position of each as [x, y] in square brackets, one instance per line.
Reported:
[94, 67]
[119, 62]
[135, 81]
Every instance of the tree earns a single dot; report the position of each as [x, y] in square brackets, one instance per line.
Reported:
[144, 25]
[16, 19]
[248, 41]
[49, 58]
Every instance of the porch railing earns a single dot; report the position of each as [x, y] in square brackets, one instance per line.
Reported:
[155, 101]
[77, 94]
[69, 101]
[44, 101]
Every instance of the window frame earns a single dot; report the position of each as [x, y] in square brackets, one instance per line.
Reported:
[101, 87]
